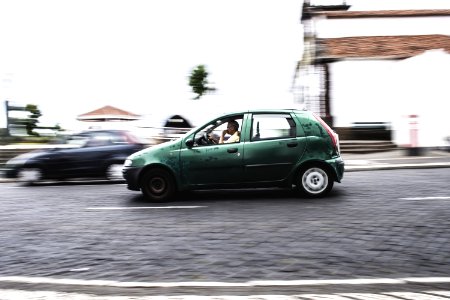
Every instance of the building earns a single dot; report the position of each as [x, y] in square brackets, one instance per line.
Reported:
[108, 114]
[361, 68]
[107, 117]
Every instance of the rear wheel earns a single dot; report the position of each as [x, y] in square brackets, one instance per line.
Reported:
[29, 175]
[158, 185]
[314, 182]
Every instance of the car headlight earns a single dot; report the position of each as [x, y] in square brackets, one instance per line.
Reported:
[127, 163]
[16, 161]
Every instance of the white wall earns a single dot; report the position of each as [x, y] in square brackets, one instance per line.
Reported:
[391, 91]
[425, 92]
[359, 92]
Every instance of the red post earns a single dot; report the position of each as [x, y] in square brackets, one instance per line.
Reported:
[413, 131]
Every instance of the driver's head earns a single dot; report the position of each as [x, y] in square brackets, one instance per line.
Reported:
[233, 126]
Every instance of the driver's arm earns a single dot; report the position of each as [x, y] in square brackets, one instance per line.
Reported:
[222, 137]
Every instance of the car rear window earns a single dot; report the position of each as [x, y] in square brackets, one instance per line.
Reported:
[272, 126]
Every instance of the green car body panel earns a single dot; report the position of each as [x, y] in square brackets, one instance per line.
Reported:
[252, 162]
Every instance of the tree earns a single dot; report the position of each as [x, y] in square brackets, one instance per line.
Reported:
[198, 80]
[29, 122]
[32, 120]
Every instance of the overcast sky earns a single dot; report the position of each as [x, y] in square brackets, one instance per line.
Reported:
[73, 56]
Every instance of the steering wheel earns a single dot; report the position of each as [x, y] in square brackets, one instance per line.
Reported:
[208, 140]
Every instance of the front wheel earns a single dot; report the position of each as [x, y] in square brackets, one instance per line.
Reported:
[29, 176]
[314, 182]
[158, 185]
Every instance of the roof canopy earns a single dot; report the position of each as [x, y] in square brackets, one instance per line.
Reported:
[108, 113]
[380, 47]
[382, 13]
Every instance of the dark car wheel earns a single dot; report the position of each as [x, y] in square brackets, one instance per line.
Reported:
[158, 185]
[29, 175]
[314, 182]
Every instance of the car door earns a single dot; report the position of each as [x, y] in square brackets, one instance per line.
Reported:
[212, 164]
[90, 159]
[276, 144]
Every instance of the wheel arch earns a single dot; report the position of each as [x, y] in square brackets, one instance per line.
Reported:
[34, 165]
[158, 166]
[315, 162]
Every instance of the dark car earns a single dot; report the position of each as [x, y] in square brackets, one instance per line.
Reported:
[264, 148]
[89, 154]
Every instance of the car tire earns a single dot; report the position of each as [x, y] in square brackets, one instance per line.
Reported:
[29, 175]
[158, 185]
[314, 182]
[114, 172]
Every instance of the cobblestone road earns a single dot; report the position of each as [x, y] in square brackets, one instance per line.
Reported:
[381, 224]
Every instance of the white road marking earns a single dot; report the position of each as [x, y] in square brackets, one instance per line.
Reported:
[325, 282]
[428, 279]
[142, 207]
[80, 269]
[254, 283]
[7, 294]
[426, 198]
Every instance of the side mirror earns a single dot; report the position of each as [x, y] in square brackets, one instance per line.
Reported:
[190, 143]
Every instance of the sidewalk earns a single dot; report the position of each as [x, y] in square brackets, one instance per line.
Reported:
[396, 159]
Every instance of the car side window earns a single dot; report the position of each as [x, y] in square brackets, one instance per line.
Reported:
[118, 138]
[272, 126]
[99, 139]
[210, 134]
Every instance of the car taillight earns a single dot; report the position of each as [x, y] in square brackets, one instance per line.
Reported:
[333, 135]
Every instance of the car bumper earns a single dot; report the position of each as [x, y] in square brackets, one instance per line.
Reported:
[131, 176]
[338, 166]
[9, 172]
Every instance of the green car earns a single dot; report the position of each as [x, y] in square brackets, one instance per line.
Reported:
[261, 148]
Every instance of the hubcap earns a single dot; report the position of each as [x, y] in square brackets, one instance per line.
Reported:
[315, 180]
[157, 185]
[29, 175]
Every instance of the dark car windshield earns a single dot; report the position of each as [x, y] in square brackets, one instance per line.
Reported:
[102, 138]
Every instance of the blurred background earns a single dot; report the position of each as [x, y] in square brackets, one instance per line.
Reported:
[375, 71]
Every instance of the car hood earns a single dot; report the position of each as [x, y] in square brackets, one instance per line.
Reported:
[23, 158]
[156, 148]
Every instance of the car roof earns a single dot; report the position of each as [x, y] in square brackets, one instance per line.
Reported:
[101, 131]
[266, 110]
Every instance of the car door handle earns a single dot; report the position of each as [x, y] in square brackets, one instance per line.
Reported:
[292, 144]
[232, 150]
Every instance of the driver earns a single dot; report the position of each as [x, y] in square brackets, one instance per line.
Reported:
[232, 130]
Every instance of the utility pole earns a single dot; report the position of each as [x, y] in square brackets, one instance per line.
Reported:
[7, 117]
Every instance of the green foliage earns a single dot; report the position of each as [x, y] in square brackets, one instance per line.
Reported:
[32, 120]
[198, 80]
[26, 122]
[29, 123]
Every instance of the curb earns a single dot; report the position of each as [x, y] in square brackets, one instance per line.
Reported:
[397, 166]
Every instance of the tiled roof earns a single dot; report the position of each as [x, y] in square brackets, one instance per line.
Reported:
[380, 46]
[383, 13]
[108, 112]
